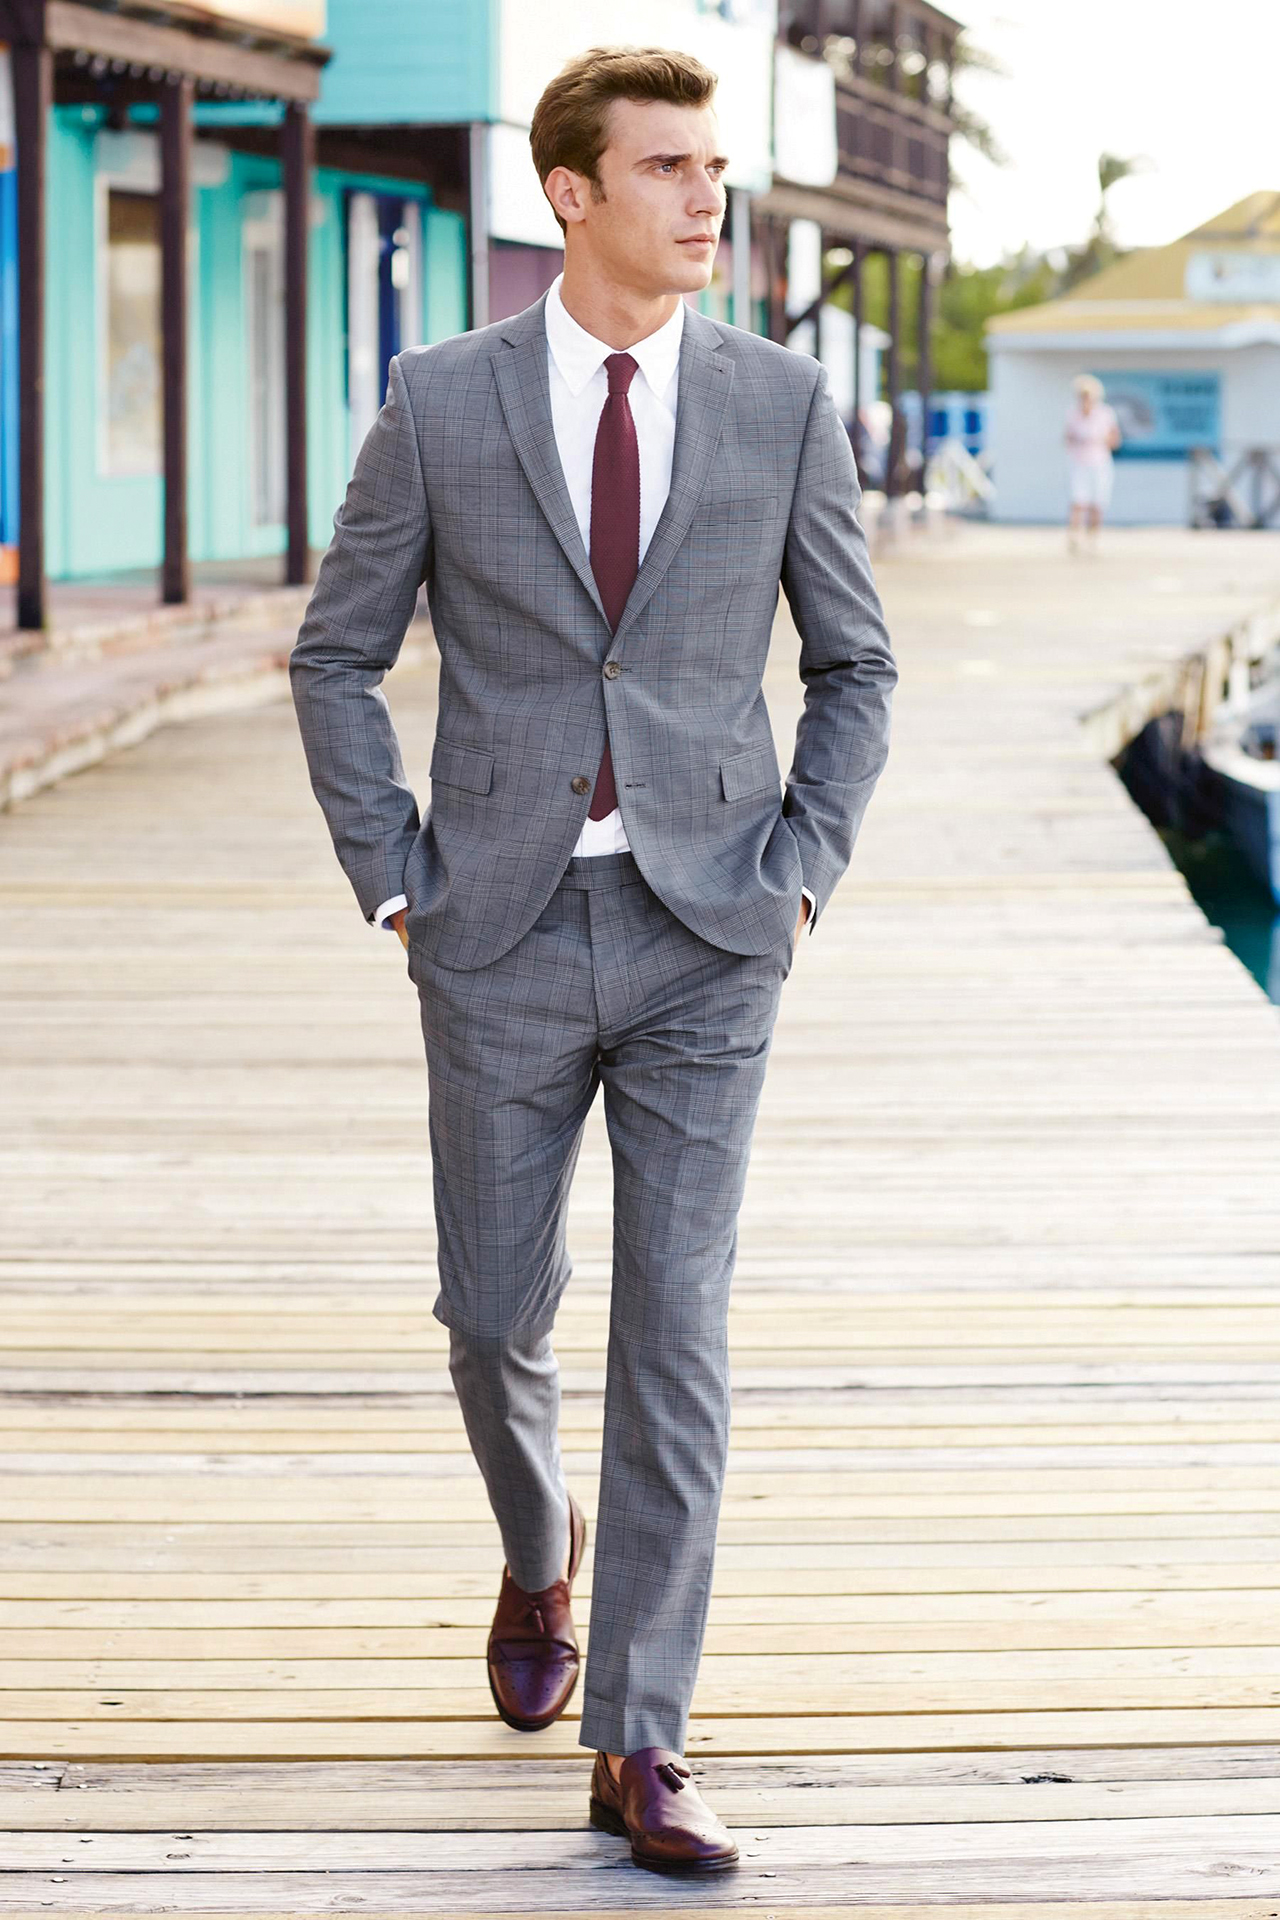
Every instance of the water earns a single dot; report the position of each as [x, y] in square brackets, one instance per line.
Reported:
[1230, 896]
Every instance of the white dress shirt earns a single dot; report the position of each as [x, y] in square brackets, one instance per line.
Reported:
[579, 386]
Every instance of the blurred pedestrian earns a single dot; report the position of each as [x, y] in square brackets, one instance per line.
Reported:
[1092, 435]
[603, 495]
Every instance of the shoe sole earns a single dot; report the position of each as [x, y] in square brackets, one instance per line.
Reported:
[610, 1822]
[549, 1720]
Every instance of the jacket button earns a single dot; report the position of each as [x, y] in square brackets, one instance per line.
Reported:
[580, 783]
[612, 668]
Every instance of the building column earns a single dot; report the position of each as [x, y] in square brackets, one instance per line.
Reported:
[297, 148]
[478, 224]
[175, 213]
[32, 68]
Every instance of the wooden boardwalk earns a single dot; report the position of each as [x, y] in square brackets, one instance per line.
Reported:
[995, 1621]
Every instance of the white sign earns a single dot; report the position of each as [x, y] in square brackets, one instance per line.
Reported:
[804, 264]
[535, 42]
[1234, 278]
[804, 119]
[518, 208]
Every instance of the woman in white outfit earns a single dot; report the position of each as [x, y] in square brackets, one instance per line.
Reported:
[1092, 435]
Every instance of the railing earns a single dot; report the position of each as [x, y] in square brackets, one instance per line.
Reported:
[892, 140]
[1243, 491]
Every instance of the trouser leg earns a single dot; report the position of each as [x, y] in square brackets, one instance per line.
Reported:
[683, 1067]
[509, 1391]
[511, 1071]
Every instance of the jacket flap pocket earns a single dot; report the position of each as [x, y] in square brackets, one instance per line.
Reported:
[459, 766]
[751, 772]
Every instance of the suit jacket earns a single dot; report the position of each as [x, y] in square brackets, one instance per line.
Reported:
[459, 484]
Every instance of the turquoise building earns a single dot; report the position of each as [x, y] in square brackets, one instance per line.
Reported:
[104, 487]
[425, 218]
[386, 266]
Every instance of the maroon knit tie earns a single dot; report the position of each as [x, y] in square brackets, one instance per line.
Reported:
[615, 527]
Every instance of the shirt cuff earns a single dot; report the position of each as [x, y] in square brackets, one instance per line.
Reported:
[813, 909]
[393, 905]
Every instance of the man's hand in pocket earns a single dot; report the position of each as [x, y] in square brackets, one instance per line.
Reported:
[397, 921]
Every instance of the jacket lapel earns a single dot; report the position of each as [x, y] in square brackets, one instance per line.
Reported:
[706, 380]
[520, 369]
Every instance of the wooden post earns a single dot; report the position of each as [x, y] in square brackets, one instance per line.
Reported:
[892, 458]
[856, 278]
[775, 253]
[297, 156]
[924, 361]
[478, 223]
[175, 212]
[32, 68]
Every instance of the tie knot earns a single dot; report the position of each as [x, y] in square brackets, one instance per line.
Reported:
[620, 368]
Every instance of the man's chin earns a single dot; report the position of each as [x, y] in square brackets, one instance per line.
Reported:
[692, 271]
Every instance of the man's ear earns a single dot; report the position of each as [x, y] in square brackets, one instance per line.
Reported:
[568, 193]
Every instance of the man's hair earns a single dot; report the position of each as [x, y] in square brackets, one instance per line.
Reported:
[571, 120]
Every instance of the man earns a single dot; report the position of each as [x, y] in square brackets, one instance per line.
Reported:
[602, 496]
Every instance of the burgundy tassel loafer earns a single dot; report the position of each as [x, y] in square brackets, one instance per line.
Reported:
[657, 1807]
[533, 1649]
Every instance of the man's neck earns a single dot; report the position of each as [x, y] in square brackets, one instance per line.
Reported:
[617, 315]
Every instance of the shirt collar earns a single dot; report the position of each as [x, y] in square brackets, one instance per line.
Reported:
[578, 354]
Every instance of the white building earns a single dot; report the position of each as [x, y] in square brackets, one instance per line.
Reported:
[1186, 340]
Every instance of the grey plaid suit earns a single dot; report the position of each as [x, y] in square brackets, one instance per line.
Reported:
[656, 973]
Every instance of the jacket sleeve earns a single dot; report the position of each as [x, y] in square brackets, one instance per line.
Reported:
[360, 607]
[846, 661]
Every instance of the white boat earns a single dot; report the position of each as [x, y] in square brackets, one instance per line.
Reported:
[1240, 785]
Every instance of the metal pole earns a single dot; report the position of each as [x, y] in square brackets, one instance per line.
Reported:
[175, 209]
[478, 223]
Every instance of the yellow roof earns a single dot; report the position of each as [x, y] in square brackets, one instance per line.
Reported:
[1147, 288]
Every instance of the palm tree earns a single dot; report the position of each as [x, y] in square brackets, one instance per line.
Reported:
[1100, 249]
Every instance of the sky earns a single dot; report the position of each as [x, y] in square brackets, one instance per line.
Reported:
[1192, 88]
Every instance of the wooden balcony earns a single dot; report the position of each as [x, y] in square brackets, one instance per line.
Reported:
[892, 61]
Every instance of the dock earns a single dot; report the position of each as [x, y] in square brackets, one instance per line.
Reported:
[995, 1623]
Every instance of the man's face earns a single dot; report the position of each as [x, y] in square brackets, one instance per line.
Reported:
[657, 226]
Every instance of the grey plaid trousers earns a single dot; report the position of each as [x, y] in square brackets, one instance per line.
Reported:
[606, 988]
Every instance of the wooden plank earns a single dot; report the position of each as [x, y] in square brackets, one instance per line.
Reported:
[1242, 1908]
[526, 1806]
[318, 1737]
[1091, 1874]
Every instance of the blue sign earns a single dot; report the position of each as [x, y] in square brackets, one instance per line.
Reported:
[1163, 415]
